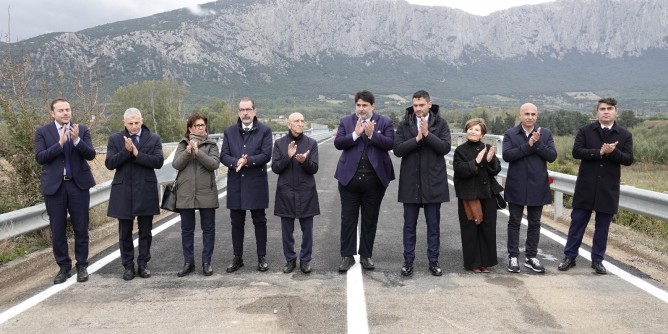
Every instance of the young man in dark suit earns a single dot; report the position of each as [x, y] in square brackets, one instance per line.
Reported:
[602, 147]
[62, 148]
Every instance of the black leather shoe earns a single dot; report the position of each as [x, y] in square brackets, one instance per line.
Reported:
[407, 268]
[367, 263]
[566, 264]
[434, 268]
[305, 266]
[143, 272]
[262, 264]
[346, 263]
[237, 263]
[206, 269]
[129, 273]
[290, 266]
[599, 268]
[82, 273]
[187, 269]
[62, 275]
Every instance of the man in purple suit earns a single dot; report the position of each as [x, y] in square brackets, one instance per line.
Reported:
[62, 148]
[364, 171]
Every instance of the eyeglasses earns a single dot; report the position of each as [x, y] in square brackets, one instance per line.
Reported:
[200, 125]
[246, 109]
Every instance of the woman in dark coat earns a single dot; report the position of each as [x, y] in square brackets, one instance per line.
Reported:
[197, 159]
[475, 164]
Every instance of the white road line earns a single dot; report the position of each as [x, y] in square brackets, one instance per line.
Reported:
[356, 303]
[621, 273]
[356, 308]
[634, 280]
[42, 296]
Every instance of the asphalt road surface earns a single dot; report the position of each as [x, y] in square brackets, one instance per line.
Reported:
[325, 301]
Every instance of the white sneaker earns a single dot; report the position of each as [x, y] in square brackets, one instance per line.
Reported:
[513, 265]
[534, 264]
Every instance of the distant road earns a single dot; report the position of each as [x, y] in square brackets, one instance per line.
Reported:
[248, 301]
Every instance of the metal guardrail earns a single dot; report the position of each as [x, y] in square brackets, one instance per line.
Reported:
[34, 218]
[645, 202]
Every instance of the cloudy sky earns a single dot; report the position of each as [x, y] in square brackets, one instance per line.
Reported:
[23, 19]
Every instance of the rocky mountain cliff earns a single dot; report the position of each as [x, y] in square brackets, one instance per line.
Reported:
[305, 47]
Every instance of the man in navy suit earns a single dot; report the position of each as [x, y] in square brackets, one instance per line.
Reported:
[62, 149]
[134, 153]
[364, 171]
[527, 148]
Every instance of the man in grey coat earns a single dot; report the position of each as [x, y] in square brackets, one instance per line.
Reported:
[134, 153]
[295, 160]
[527, 148]
[422, 140]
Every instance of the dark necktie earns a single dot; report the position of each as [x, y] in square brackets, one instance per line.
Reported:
[135, 139]
[67, 150]
[606, 132]
[364, 136]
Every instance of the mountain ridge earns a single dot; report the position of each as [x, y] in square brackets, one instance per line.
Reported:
[268, 45]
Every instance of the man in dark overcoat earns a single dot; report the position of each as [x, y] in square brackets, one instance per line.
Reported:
[602, 147]
[527, 148]
[422, 141]
[364, 171]
[246, 152]
[295, 160]
[135, 153]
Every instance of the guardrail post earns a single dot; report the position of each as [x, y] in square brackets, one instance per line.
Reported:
[558, 204]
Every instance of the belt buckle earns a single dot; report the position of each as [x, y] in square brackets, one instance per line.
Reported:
[65, 178]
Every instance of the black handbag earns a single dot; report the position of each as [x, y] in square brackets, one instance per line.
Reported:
[500, 202]
[169, 198]
[496, 191]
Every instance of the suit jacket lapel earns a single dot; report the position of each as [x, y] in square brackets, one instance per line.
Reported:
[53, 130]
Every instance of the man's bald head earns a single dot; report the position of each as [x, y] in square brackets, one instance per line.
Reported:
[528, 116]
[296, 123]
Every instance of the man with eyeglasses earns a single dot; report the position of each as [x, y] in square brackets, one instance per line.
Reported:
[246, 152]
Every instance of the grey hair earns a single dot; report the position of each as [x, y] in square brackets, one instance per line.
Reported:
[131, 112]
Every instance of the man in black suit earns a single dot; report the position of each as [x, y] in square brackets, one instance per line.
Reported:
[602, 147]
[134, 153]
[62, 148]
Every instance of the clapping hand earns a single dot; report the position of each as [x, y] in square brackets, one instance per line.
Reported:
[535, 137]
[490, 153]
[193, 147]
[242, 162]
[292, 149]
[302, 156]
[608, 148]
